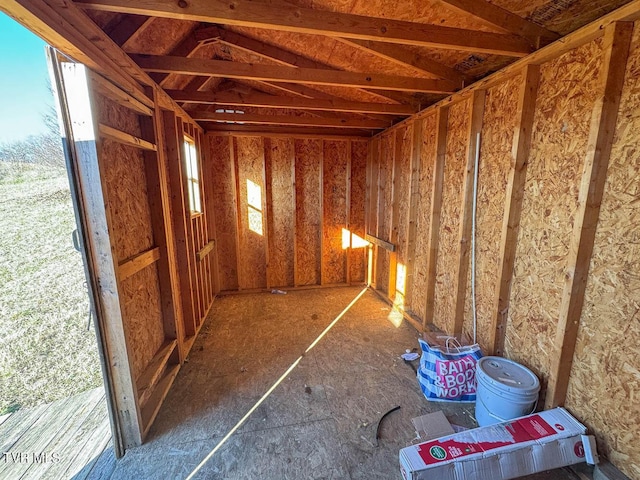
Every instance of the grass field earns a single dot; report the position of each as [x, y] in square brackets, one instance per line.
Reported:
[46, 351]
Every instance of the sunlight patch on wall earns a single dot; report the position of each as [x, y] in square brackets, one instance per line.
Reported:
[254, 201]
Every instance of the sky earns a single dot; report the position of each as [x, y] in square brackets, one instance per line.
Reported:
[24, 82]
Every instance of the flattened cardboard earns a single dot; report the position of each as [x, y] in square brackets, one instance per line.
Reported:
[522, 446]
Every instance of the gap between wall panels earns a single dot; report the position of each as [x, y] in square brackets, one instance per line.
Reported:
[289, 211]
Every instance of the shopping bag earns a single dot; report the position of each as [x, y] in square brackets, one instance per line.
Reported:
[447, 371]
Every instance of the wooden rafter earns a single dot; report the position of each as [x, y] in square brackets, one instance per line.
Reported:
[204, 116]
[186, 48]
[272, 101]
[220, 68]
[137, 33]
[124, 28]
[283, 57]
[245, 13]
[405, 57]
[504, 19]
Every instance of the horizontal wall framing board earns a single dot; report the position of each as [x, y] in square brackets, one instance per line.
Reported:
[133, 265]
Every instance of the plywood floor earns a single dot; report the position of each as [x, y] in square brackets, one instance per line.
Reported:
[318, 423]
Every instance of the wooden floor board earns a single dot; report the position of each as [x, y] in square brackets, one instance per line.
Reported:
[58, 440]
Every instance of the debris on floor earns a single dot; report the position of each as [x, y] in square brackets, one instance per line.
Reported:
[535, 443]
[432, 425]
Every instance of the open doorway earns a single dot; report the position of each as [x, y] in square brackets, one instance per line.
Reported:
[51, 383]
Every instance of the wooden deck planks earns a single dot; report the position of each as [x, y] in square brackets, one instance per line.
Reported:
[63, 439]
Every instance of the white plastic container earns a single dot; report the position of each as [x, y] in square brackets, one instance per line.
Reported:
[505, 390]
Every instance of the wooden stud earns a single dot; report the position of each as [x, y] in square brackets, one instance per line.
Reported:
[266, 213]
[617, 42]
[513, 205]
[124, 138]
[462, 267]
[268, 194]
[233, 153]
[294, 217]
[181, 218]
[271, 101]
[348, 207]
[208, 179]
[321, 200]
[375, 199]
[204, 230]
[159, 204]
[277, 73]
[436, 207]
[185, 128]
[412, 214]
[247, 118]
[395, 211]
[322, 22]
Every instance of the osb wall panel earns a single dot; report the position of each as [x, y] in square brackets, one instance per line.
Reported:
[604, 387]
[498, 127]
[561, 126]
[403, 197]
[449, 233]
[252, 260]
[308, 211]
[385, 190]
[140, 303]
[423, 219]
[334, 216]
[131, 233]
[279, 162]
[126, 181]
[359, 154]
[225, 211]
[124, 172]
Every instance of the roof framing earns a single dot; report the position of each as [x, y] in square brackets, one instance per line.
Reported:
[272, 101]
[246, 13]
[270, 73]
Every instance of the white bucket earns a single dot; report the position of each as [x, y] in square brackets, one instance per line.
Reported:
[505, 390]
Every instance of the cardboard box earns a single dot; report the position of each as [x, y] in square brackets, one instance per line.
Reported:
[526, 445]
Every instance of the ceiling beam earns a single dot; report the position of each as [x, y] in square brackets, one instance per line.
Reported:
[405, 57]
[256, 119]
[506, 20]
[273, 73]
[228, 129]
[272, 101]
[276, 54]
[247, 13]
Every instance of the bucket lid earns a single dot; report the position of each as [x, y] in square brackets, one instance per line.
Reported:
[507, 375]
